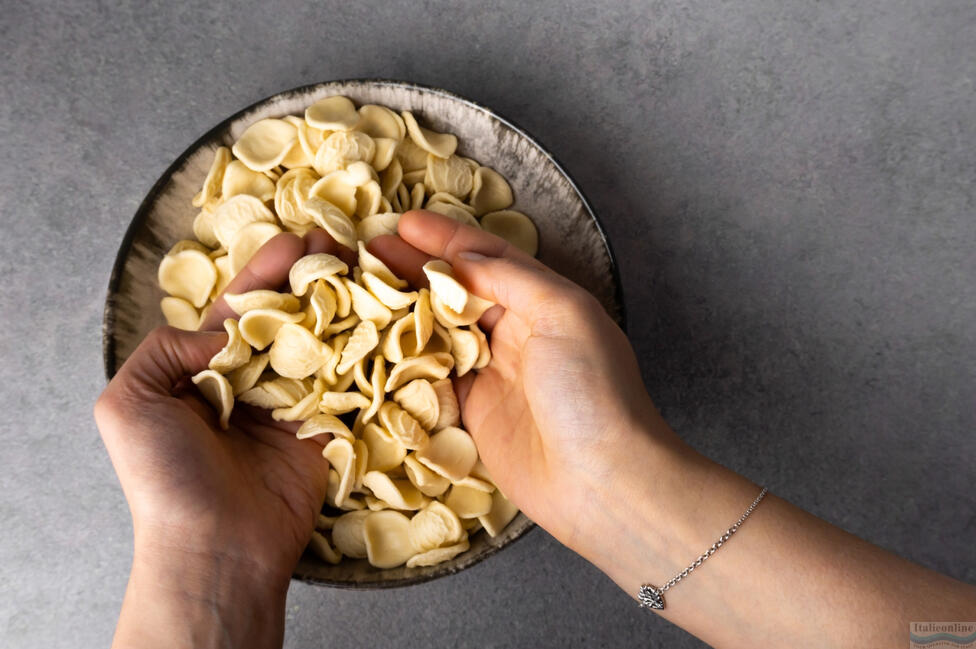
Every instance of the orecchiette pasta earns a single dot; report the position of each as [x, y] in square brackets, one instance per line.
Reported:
[360, 358]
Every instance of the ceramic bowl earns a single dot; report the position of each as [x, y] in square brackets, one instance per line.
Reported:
[571, 240]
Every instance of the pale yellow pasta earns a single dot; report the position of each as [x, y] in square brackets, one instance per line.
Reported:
[362, 361]
[241, 303]
[216, 389]
[450, 452]
[179, 313]
[188, 274]
[265, 144]
[387, 537]
[312, 267]
[260, 326]
[234, 354]
[467, 502]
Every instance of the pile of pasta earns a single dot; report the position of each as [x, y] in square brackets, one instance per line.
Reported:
[354, 353]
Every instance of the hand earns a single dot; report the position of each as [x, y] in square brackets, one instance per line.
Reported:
[212, 510]
[561, 406]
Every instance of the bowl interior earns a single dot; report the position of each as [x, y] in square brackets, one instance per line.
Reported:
[570, 240]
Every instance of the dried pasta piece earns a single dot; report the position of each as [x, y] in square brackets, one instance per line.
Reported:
[419, 399]
[475, 483]
[490, 191]
[333, 220]
[260, 326]
[441, 145]
[449, 410]
[375, 504]
[385, 152]
[387, 537]
[440, 340]
[438, 555]
[234, 354]
[246, 376]
[399, 341]
[364, 339]
[247, 241]
[341, 456]
[434, 526]
[362, 458]
[384, 452]
[216, 389]
[276, 393]
[215, 176]
[310, 138]
[404, 428]
[336, 113]
[241, 303]
[312, 267]
[320, 546]
[417, 193]
[412, 157]
[179, 313]
[423, 318]
[484, 350]
[373, 265]
[467, 502]
[296, 352]
[443, 285]
[323, 522]
[322, 424]
[386, 294]
[189, 274]
[224, 277]
[338, 403]
[323, 304]
[379, 121]
[448, 317]
[367, 307]
[341, 149]
[203, 227]
[238, 179]
[450, 175]
[375, 225]
[352, 504]
[451, 453]
[429, 483]
[450, 199]
[187, 244]
[501, 514]
[465, 349]
[265, 143]
[390, 179]
[307, 406]
[368, 197]
[377, 379]
[413, 178]
[328, 370]
[514, 227]
[343, 301]
[236, 212]
[348, 534]
[400, 494]
[428, 366]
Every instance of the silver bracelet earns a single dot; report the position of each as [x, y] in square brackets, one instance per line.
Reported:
[651, 597]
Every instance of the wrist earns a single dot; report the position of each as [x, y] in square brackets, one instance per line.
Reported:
[179, 597]
[663, 506]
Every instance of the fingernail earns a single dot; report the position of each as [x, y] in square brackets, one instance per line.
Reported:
[471, 256]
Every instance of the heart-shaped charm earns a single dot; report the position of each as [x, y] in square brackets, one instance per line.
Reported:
[650, 597]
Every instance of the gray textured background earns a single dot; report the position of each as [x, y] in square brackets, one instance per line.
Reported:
[788, 186]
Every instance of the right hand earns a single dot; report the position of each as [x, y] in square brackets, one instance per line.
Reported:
[561, 405]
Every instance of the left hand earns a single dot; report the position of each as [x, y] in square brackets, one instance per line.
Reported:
[246, 497]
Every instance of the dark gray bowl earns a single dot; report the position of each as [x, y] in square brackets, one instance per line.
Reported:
[571, 240]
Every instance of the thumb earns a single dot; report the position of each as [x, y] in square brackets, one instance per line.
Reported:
[166, 356]
[529, 290]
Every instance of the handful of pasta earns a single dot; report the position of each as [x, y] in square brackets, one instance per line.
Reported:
[353, 353]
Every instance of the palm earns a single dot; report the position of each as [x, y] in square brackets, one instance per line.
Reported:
[257, 467]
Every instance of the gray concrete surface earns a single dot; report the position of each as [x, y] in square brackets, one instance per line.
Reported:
[788, 186]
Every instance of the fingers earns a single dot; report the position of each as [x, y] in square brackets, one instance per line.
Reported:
[528, 290]
[444, 237]
[166, 356]
[268, 268]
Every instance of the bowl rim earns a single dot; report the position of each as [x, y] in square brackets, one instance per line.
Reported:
[110, 361]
